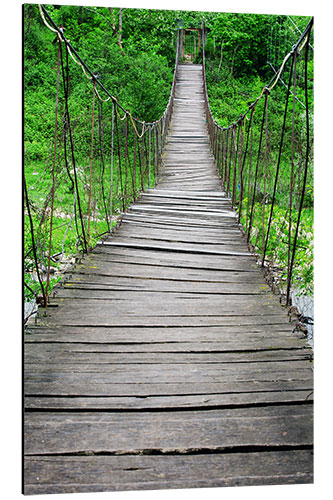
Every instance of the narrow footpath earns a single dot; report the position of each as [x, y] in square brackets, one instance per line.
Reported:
[164, 360]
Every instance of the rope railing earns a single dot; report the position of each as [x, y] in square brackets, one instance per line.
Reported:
[264, 167]
[95, 175]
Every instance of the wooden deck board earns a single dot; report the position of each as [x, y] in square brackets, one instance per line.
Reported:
[180, 432]
[73, 474]
[164, 359]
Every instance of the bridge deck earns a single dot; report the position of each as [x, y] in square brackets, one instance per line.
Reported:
[167, 362]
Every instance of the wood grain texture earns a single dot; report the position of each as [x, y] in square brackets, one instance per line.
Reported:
[164, 359]
[75, 474]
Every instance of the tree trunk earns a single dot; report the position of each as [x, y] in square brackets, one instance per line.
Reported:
[113, 22]
[80, 16]
[221, 55]
[233, 60]
[120, 27]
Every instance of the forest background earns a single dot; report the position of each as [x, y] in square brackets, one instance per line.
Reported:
[133, 53]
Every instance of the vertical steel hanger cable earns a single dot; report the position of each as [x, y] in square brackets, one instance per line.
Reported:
[256, 171]
[33, 241]
[53, 173]
[265, 171]
[291, 172]
[277, 172]
[91, 163]
[111, 166]
[306, 164]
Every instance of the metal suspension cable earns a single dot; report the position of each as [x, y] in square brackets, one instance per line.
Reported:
[72, 51]
[278, 164]
[243, 164]
[305, 170]
[34, 250]
[292, 166]
[257, 166]
[249, 172]
[111, 166]
[91, 162]
[285, 85]
[66, 82]
[53, 172]
[120, 177]
[265, 169]
[42, 11]
[102, 163]
[299, 31]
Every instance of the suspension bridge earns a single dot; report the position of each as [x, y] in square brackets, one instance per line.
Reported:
[164, 360]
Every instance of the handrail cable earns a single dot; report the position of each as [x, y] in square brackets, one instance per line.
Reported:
[299, 31]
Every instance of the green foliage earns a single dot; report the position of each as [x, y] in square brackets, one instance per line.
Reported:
[133, 52]
[277, 248]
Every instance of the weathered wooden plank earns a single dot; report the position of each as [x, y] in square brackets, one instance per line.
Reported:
[184, 401]
[184, 197]
[132, 287]
[39, 355]
[168, 431]
[189, 222]
[216, 294]
[176, 247]
[175, 371]
[203, 214]
[74, 352]
[182, 237]
[99, 473]
[103, 315]
[135, 346]
[142, 284]
[193, 230]
[107, 312]
[165, 259]
[168, 321]
[187, 339]
[65, 383]
[131, 270]
[126, 268]
[229, 328]
[197, 195]
[76, 387]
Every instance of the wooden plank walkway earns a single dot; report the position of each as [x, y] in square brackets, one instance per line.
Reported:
[165, 361]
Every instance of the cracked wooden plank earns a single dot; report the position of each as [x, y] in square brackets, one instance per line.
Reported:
[108, 473]
[140, 432]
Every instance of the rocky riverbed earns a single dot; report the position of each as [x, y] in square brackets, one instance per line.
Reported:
[305, 306]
